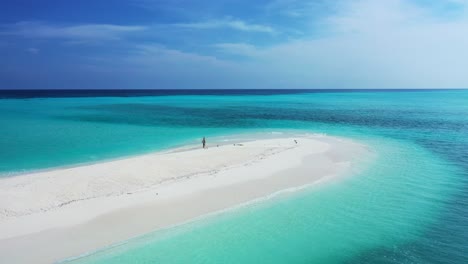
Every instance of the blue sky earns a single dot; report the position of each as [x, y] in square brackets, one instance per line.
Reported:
[167, 44]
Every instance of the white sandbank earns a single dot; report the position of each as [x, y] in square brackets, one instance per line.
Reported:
[52, 215]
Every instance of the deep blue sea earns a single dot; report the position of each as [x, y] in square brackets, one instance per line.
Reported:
[409, 206]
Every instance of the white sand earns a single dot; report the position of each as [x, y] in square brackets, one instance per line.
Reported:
[48, 216]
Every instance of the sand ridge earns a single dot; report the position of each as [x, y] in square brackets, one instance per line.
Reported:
[129, 197]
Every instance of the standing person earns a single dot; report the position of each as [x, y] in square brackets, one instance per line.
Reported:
[203, 142]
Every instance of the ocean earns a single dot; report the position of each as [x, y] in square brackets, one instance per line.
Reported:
[409, 206]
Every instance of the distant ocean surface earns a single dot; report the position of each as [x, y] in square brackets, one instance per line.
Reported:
[409, 206]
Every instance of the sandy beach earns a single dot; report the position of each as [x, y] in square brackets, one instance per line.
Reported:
[51, 215]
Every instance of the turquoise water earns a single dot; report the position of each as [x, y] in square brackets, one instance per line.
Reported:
[409, 206]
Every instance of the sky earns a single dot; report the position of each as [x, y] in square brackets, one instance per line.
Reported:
[227, 44]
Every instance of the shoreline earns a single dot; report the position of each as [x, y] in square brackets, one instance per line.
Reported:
[179, 147]
[134, 196]
[277, 195]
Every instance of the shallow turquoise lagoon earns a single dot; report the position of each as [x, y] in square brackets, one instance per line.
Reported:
[409, 206]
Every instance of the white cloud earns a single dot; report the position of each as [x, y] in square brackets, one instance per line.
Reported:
[83, 32]
[362, 44]
[369, 44]
[293, 8]
[235, 24]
